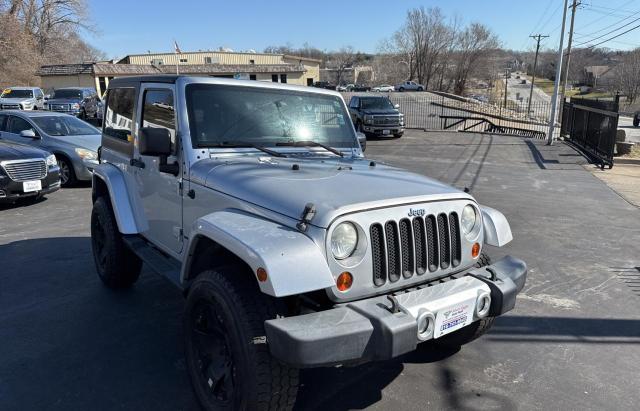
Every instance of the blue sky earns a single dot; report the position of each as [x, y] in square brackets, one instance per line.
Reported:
[130, 26]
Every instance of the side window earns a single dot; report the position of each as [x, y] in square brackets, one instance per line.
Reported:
[17, 124]
[354, 102]
[119, 114]
[158, 112]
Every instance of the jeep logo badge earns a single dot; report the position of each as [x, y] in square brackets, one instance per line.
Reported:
[419, 212]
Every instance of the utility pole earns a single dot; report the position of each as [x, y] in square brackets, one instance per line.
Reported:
[538, 37]
[506, 81]
[554, 99]
[575, 5]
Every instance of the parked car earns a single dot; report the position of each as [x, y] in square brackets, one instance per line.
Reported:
[26, 172]
[357, 87]
[376, 116]
[22, 98]
[409, 86]
[383, 88]
[342, 87]
[636, 119]
[324, 84]
[78, 101]
[292, 250]
[74, 142]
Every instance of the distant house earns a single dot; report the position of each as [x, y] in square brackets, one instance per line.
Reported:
[598, 76]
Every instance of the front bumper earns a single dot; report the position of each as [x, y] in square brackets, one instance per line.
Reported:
[380, 130]
[12, 190]
[368, 330]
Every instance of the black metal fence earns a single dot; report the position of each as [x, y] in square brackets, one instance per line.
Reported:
[592, 125]
[431, 111]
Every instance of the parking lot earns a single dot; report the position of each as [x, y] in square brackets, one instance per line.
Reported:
[573, 341]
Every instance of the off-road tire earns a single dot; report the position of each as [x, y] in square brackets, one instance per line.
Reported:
[474, 330]
[260, 382]
[116, 264]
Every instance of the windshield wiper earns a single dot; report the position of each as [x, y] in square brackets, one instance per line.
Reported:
[242, 144]
[310, 143]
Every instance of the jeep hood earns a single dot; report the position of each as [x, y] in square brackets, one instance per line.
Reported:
[334, 186]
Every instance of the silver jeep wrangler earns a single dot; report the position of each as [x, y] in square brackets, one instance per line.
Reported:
[291, 248]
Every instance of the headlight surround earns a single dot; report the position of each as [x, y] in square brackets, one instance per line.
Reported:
[85, 154]
[368, 118]
[75, 106]
[344, 240]
[51, 161]
[469, 220]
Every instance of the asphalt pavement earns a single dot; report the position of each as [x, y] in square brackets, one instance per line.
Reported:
[572, 342]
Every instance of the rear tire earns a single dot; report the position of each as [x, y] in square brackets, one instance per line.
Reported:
[474, 330]
[227, 356]
[420, 89]
[116, 264]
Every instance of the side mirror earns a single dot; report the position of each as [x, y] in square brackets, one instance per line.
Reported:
[362, 139]
[396, 106]
[29, 134]
[154, 141]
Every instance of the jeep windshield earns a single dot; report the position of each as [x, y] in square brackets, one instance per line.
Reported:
[221, 115]
[67, 93]
[376, 103]
[9, 93]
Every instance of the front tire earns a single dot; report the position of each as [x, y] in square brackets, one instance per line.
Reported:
[227, 355]
[401, 89]
[116, 264]
[398, 135]
[67, 175]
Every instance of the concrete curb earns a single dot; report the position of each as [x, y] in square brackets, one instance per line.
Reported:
[631, 161]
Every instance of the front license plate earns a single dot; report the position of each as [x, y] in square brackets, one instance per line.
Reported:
[30, 186]
[454, 317]
[385, 132]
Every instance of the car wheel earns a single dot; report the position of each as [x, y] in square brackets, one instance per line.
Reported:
[83, 115]
[401, 89]
[116, 264]
[228, 360]
[474, 330]
[419, 88]
[67, 175]
[636, 121]
[398, 135]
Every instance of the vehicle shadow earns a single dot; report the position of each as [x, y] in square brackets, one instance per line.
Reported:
[21, 203]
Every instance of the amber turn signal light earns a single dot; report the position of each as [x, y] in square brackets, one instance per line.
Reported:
[262, 274]
[475, 250]
[344, 281]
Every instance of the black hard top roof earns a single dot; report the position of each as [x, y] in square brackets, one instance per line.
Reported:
[160, 78]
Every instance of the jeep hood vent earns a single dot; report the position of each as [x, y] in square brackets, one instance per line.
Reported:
[334, 186]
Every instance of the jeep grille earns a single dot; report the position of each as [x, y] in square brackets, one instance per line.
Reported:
[413, 247]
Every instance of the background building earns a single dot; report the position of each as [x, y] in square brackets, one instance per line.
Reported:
[280, 68]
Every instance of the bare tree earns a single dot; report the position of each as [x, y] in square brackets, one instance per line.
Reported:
[18, 58]
[473, 44]
[343, 59]
[627, 75]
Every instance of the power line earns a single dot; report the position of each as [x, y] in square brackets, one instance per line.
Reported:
[609, 14]
[606, 27]
[542, 16]
[614, 37]
[609, 32]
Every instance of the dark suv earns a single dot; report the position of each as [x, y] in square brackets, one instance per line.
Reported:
[376, 115]
[80, 101]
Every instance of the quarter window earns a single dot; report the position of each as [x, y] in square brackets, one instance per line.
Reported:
[158, 112]
[119, 113]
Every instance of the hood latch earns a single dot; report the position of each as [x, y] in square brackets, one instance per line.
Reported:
[307, 215]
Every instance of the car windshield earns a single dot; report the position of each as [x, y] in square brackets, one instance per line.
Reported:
[64, 126]
[9, 93]
[67, 93]
[377, 103]
[225, 115]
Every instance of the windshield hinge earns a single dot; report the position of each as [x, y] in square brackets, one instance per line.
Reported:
[307, 215]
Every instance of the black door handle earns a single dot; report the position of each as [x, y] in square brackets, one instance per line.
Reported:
[136, 163]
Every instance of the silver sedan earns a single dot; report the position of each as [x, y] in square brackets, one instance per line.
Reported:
[74, 142]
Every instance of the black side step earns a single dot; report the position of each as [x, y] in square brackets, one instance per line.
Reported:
[159, 262]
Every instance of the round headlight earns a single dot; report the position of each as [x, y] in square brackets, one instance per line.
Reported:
[469, 219]
[344, 240]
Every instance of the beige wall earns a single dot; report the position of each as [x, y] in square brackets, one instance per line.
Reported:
[82, 80]
[216, 57]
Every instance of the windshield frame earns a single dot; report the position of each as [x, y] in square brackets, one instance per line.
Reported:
[13, 91]
[349, 142]
[391, 106]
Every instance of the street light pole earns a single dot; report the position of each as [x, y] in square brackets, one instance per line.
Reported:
[556, 84]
